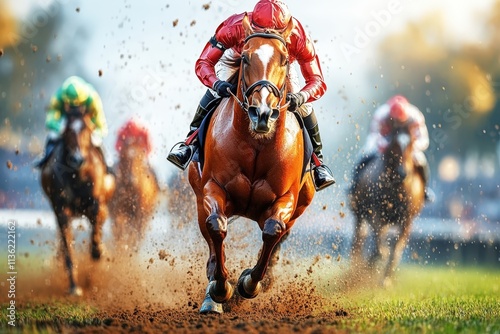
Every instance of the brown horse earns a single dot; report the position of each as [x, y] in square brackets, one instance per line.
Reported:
[136, 195]
[76, 182]
[389, 193]
[253, 167]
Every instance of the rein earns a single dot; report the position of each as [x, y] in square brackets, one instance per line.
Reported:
[259, 85]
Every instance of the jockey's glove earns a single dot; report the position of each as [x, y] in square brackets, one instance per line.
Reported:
[221, 87]
[295, 100]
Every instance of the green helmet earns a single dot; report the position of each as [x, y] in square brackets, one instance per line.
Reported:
[75, 91]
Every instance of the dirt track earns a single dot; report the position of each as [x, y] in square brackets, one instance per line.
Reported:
[160, 288]
[127, 302]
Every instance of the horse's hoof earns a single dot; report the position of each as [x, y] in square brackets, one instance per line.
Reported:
[220, 296]
[209, 306]
[246, 287]
[76, 291]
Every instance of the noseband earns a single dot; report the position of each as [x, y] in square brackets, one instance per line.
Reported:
[259, 85]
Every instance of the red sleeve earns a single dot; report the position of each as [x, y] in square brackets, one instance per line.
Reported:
[302, 49]
[229, 34]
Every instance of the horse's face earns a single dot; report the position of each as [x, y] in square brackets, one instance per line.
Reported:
[401, 142]
[263, 77]
[76, 138]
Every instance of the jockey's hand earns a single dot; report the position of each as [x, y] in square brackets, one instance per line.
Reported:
[221, 87]
[295, 100]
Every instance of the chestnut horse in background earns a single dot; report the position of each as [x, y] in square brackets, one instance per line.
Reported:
[253, 167]
[76, 182]
[389, 193]
[137, 189]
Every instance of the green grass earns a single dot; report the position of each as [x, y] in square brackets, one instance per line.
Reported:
[428, 300]
[49, 317]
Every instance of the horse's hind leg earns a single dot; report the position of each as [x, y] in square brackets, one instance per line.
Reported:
[67, 250]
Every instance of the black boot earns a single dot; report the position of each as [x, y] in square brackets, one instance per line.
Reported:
[182, 153]
[50, 144]
[322, 175]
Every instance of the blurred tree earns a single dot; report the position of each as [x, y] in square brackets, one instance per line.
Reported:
[8, 26]
[30, 70]
[456, 86]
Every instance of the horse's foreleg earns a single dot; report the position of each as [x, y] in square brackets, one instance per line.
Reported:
[214, 202]
[380, 251]
[67, 250]
[396, 254]
[97, 223]
[273, 229]
[358, 243]
[275, 256]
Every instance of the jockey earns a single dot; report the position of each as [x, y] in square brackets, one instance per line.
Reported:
[219, 62]
[74, 93]
[397, 108]
[133, 130]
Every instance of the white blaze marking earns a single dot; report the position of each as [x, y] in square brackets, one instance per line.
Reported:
[265, 53]
[77, 125]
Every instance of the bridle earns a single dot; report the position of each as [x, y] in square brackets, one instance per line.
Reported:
[261, 84]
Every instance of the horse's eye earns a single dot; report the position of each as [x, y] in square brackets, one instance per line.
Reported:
[244, 58]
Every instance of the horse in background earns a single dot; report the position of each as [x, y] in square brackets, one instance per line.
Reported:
[253, 165]
[389, 194]
[76, 182]
[137, 190]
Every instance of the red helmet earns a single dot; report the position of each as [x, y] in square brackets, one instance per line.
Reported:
[398, 112]
[271, 14]
[397, 99]
[133, 130]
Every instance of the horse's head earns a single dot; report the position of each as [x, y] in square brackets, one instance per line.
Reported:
[76, 136]
[263, 77]
[401, 141]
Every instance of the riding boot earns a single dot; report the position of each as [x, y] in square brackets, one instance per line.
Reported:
[182, 154]
[424, 170]
[321, 173]
[50, 144]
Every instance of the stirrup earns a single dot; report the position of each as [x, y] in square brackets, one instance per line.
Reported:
[175, 161]
[327, 183]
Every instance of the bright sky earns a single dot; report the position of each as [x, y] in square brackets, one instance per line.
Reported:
[147, 62]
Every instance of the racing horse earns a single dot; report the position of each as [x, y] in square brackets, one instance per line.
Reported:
[389, 194]
[137, 189]
[253, 165]
[76, 182]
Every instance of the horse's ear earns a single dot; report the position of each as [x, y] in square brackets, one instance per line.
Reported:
[288, 30]
[246, 25]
